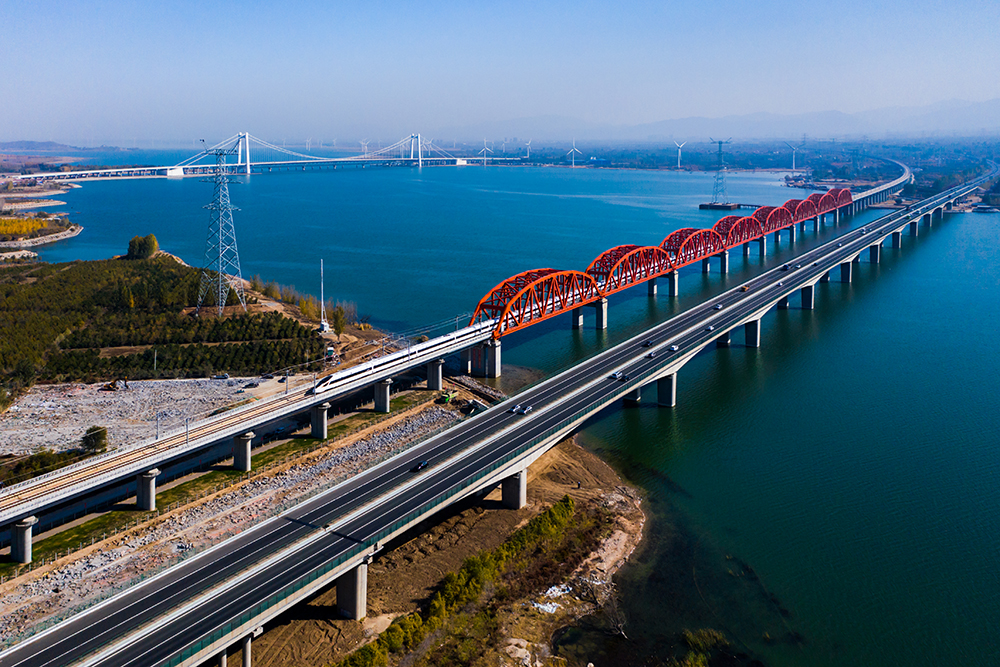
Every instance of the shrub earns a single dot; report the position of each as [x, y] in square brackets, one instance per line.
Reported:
[95, 440]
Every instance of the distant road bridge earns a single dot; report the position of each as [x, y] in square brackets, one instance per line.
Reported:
[195, 611]
[255, 155]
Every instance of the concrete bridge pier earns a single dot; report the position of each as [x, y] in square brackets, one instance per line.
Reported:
[145, 495]
[808, 297]
[723, 262]
[633, 396]
[577, 317]
[928, 219]
[751, 331]
[897, 239]
[783, 303]
[836, 216]
[20, 544]
[223, 659]
[435, 375]
[816, 225]
[791, 234]
[875, 253]
[845, 271]
[673, 284]
[913, 228]
[746, 249]
[318, 416]
[763, 245]
[514, 490]
[241, 451]
[247, 655]
[352, 592]
[651, 287]
[724, 340]
[465, 361]
[601, 306]
[704, 265]
[382, 395]
[825, 278]
[666, 391]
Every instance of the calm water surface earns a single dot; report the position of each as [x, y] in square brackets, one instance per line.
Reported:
[829, 499]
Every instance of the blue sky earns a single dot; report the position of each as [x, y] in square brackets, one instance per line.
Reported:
[86, 72]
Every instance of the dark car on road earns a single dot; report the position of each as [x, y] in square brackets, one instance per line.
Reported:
[419, 466]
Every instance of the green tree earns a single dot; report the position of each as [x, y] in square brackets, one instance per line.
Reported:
[95, 440]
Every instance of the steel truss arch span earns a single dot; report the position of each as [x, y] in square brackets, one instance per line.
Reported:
[533, 296]
[736, 230]
[624, 266]
[772, 218]
[688, 245]
[801, 209]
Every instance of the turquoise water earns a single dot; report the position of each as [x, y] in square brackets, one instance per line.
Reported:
[828, 499]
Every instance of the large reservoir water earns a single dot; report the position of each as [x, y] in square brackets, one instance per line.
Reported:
[828, 499]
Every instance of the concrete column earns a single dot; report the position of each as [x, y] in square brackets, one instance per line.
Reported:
[897, 239]
[704, 265]
[247, 657]
[435, 375]
[601, 305]
[515, 490]
[577, 316]
[751, 330]
[723, 262]
[783, 303]
[352, 592]
[241, 451]
[465, 361]
[318, 418]
[845, 271]
[927, 218]
[913, 228]
[836, 216]
[20, 545]
[808, 297]
[673, 284]
[746, 249]
[633, 396]
[825, 278]
[763, 245]
[651, 287]
[875, 253]
[857, 258]
[382, 395]
[145, 496]
[816, 225]
[223, 659]
[666, 391]
[777, 237]
[791, 234]
[493, 365]
[723, 340]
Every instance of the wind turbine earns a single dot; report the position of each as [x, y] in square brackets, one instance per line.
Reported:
[679, 147]
[486, 149]
[794, 148]
[572, 153]
[529, 149]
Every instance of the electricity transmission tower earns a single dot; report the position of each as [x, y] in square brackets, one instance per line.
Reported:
[719, 195]
[222, 260]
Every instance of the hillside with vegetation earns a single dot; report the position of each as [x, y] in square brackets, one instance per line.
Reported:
[58, 321]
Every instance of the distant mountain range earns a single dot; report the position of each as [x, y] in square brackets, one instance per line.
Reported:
[35, 146]
[944, 118]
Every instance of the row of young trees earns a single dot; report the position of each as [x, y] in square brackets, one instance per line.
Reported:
[178, 361]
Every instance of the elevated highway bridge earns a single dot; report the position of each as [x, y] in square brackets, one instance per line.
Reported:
[194, 612]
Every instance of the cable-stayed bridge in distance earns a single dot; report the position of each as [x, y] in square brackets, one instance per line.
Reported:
[254, 155]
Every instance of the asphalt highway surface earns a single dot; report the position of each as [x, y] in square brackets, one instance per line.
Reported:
[377, 493]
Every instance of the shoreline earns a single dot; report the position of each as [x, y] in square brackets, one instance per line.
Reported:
[74, 230]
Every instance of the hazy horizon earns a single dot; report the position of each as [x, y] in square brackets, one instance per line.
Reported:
[91, 73]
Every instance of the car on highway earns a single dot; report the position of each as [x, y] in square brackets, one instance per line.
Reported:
[514, 410]
[710, 328]
[221, 376]
[624, 378]
[798, 266]
[651, 355]
[251, 385]
[745, 288]
[780, 283]
[617, 375]
[266, 376]
[674, 348]
[840, 245]
[718, 306]
[525, 410]
[648, 343]
[785, 267]
[815, 263]
[420, 465]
